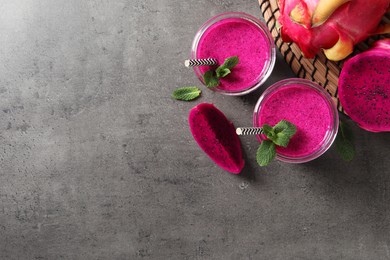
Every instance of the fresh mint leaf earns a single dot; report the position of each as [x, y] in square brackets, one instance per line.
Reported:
[269, 132]
[207, 76]
[186, 93]
[279, 135]
[222, 72]
[267, 129]
[282, 139]
[285, 127]
[282, 133]
[230, 62]
[265, 153]
[210, 79]
[345, 142]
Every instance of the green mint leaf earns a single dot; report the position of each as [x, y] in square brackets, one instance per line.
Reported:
[345, 142]
[285, 127]
[207, 76]
[186, 93]
[265, 153]
[267, 129]
[279, 135]
[282, 139]
[210, 79]
[282, 133]
[222, 72]
[269, 132]
[230, 62]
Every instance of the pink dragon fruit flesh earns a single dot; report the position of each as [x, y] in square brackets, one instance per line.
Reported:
[217, 137]
[364, 87]
[332, 25]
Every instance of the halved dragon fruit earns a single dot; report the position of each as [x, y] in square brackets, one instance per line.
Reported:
[217, 137]
[333, 25]
[364, 87]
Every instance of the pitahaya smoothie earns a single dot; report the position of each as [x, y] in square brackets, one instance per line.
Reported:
[237, 34]
[309, 108]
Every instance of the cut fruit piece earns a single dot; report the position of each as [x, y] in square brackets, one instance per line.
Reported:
[364, 87]
[217, 137]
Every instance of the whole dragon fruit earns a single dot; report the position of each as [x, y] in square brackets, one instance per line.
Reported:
[333, 25]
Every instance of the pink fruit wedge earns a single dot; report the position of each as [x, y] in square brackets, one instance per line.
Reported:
[217, 137]
[364, 87]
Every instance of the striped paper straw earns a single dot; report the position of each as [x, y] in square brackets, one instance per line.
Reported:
[249, 131]
[200, 62]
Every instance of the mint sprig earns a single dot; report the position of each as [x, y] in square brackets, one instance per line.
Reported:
[230, 62]
[186, 93]
[344, 142]
[279, 135]
[266, 152]
[212, 76]
[222, 72]
[210, 79]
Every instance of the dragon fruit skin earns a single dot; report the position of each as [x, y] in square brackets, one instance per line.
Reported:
[364, 87]
[333, 25]
[217, 137]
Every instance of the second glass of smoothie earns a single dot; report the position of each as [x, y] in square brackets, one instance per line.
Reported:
[309, 107]
[236, 34]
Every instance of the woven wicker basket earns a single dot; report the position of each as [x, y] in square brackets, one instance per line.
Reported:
[319, 69]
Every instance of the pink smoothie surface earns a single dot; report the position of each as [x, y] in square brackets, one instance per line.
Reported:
[306, 109]
[236, 37]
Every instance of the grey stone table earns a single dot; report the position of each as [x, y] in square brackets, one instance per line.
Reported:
[97, 161]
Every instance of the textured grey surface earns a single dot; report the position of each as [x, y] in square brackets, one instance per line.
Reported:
[97, 161]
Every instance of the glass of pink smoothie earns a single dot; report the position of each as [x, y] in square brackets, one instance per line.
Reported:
[309, 107]
[236, 34]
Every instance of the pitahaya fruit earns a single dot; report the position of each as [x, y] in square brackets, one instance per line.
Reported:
[217, 137]
[333, 25]
[364, 87]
